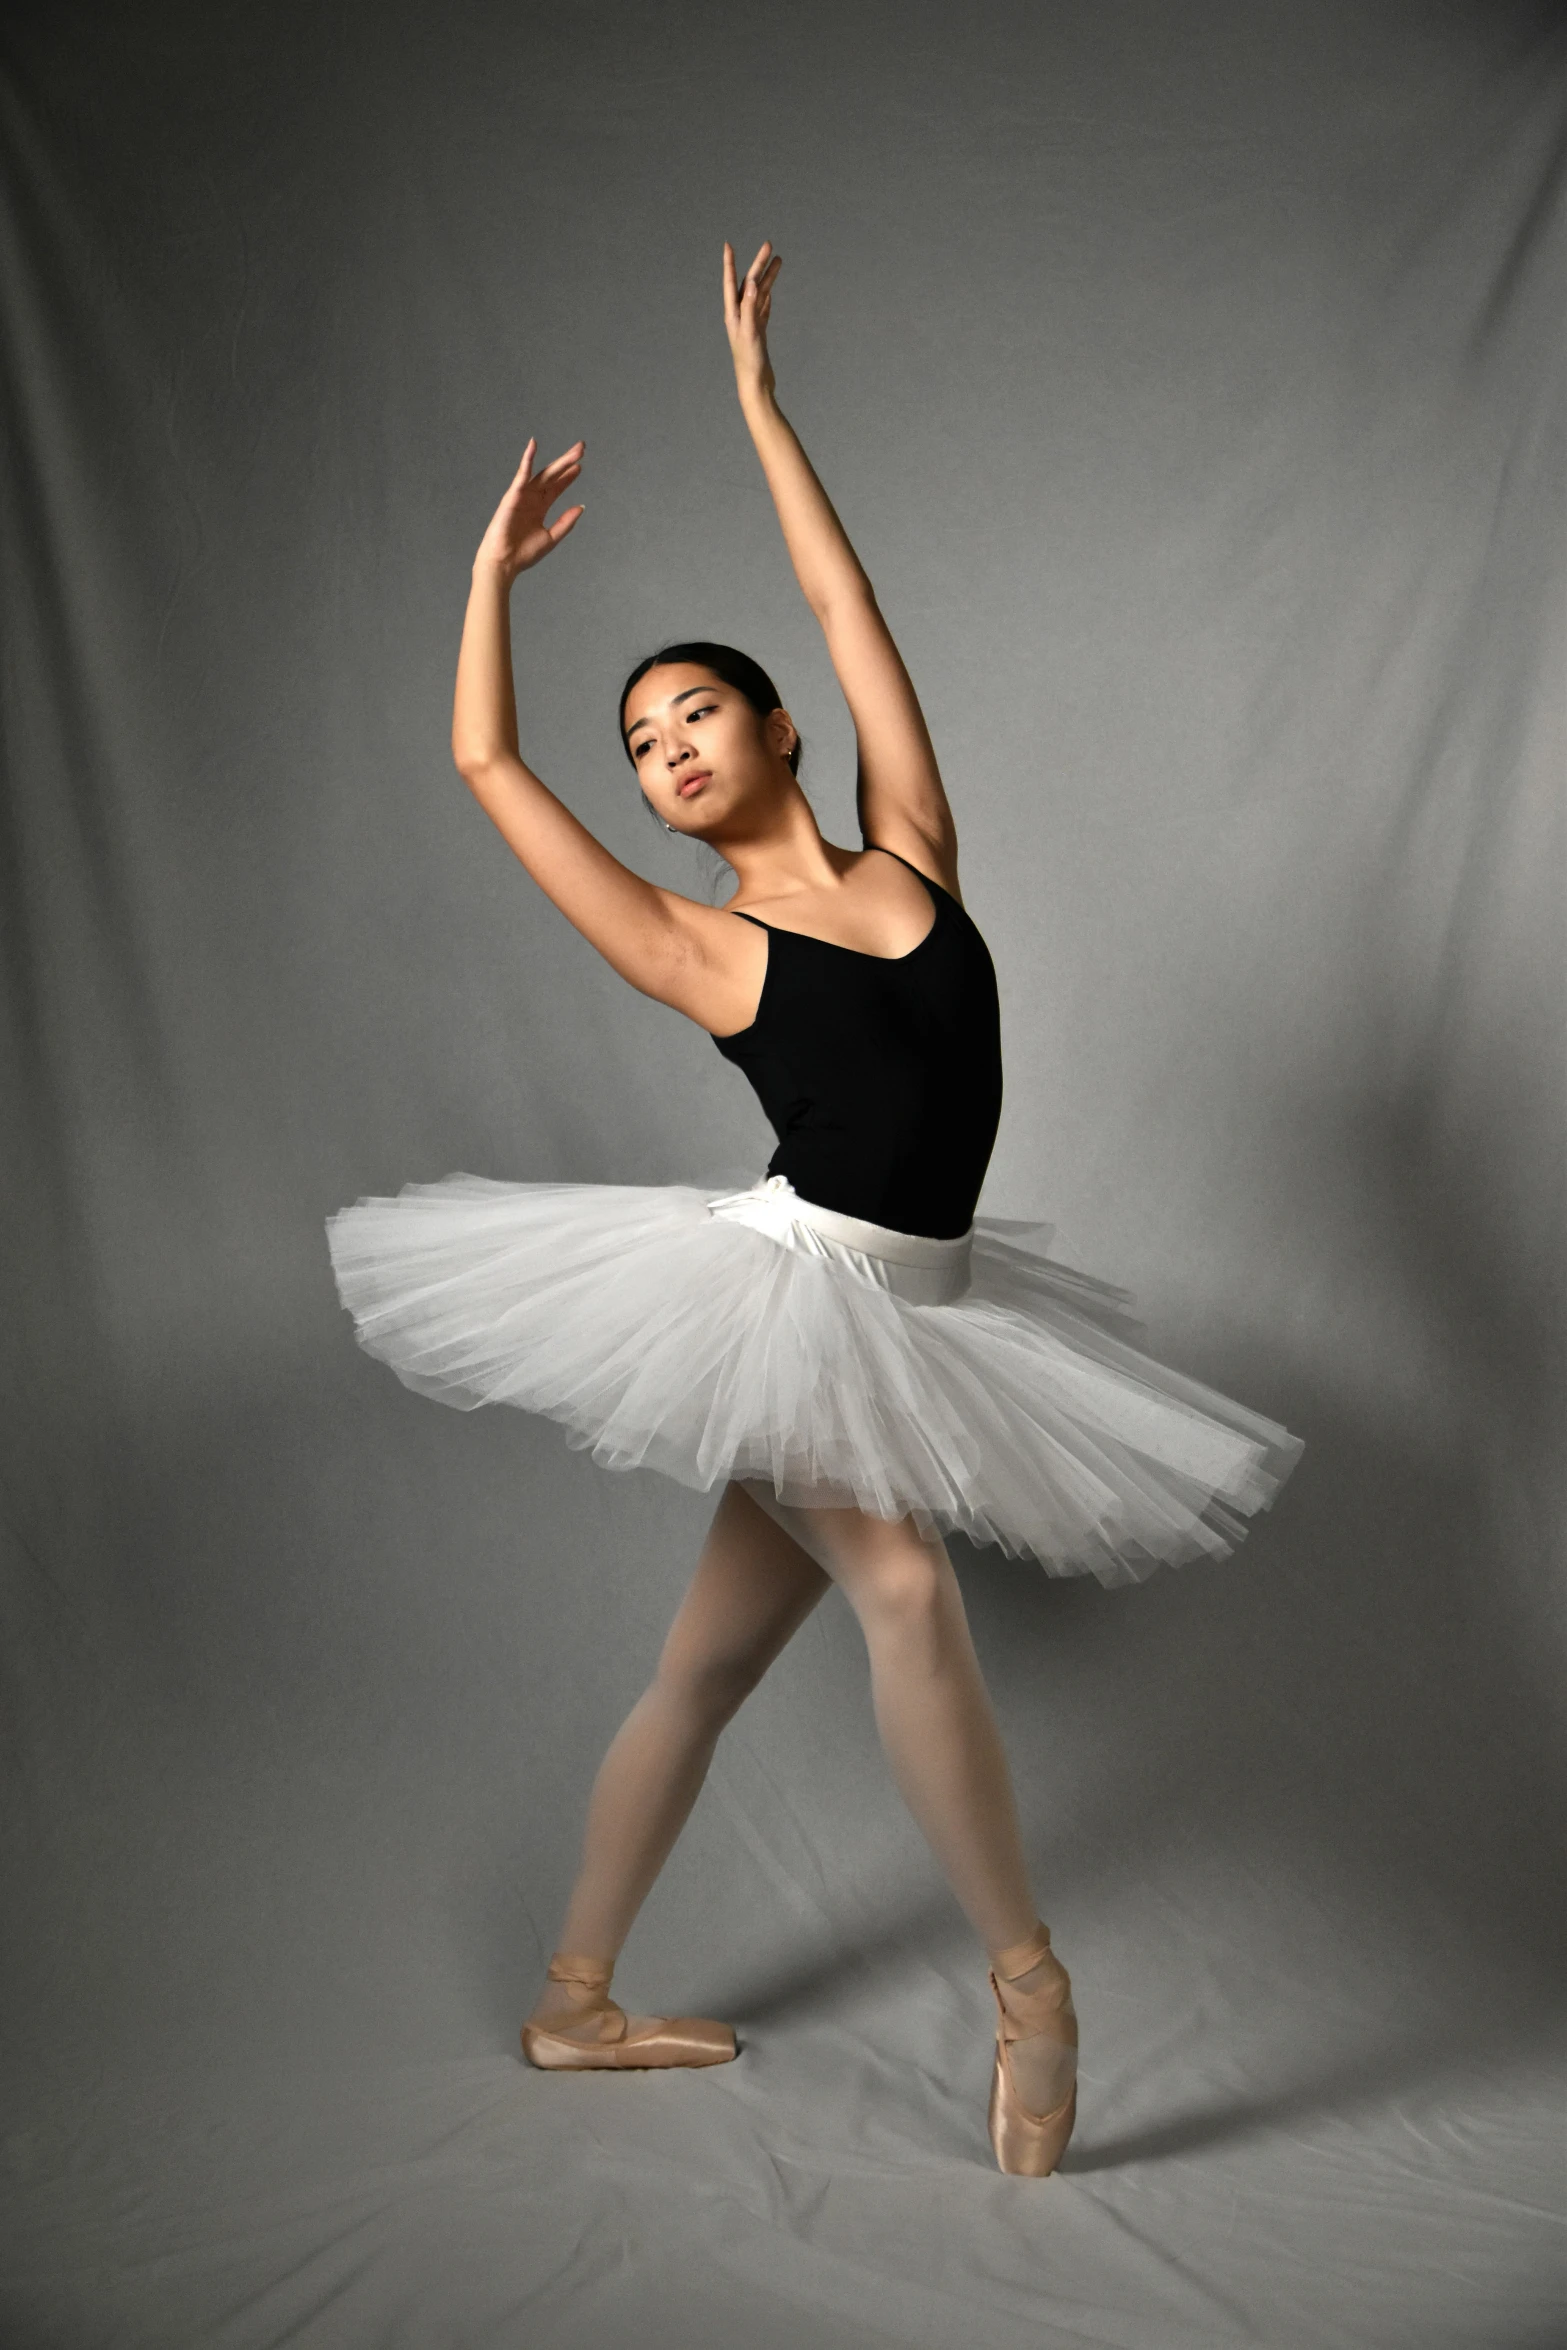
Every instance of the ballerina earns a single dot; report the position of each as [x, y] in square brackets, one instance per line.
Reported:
[857, 1361]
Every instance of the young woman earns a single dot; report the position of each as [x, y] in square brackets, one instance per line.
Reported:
[846, 1351]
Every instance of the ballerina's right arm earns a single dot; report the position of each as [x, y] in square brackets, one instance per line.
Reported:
[661, 942]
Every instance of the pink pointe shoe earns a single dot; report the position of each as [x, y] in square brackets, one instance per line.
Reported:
[610, 2040]
[1029, 2145]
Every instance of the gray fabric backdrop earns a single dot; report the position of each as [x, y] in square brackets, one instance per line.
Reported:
[1188, 376]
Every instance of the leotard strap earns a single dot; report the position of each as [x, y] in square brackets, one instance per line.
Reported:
[914, 869]
[870, 844]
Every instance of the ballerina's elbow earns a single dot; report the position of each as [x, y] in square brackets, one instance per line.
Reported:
[478, 764]
[836, 599]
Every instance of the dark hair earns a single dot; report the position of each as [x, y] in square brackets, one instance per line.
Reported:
[748, 677]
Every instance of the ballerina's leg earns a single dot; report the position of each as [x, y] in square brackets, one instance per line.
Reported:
[938, 1729]
[752, 1589]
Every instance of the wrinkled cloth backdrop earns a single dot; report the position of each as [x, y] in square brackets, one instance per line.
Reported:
[1188, 378]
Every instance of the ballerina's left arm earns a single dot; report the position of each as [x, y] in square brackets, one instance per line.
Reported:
[902, 804]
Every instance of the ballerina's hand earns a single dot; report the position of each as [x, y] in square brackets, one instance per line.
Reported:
[746, 309]
[519, 534]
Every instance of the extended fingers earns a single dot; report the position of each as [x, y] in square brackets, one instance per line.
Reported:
[757, 284]
[536, 493]
[524, 472]
[550, 486]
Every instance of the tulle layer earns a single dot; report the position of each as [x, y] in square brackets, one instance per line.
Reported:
[660, 1335]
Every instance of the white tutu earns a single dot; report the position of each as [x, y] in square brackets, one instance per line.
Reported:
[976, 1384]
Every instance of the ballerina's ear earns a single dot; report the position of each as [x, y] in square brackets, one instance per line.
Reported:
[783, 732]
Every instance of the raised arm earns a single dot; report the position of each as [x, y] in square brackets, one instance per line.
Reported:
[651, 936]
[902, 804]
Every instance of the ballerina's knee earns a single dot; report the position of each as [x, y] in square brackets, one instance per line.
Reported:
[900, 1592]
[709, 1689]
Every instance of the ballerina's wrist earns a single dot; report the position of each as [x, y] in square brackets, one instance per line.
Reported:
[758, 395]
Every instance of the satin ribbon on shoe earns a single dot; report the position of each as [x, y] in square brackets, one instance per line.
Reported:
[653, 2043]
[1026, 2144]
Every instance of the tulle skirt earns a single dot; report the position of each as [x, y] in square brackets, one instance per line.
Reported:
[979, 1385]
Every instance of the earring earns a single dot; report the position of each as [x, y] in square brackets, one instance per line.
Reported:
[671, 828]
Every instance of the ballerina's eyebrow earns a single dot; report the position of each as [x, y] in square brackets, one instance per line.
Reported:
[685, 697]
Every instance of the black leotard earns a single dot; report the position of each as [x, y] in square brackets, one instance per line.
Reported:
[881, 1074]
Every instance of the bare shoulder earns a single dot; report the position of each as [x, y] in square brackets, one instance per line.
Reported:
[715, 973]
[936, 859]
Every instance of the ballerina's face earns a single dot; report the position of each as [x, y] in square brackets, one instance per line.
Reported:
[701, 751]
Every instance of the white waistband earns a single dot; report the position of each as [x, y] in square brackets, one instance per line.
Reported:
[772, 1205]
